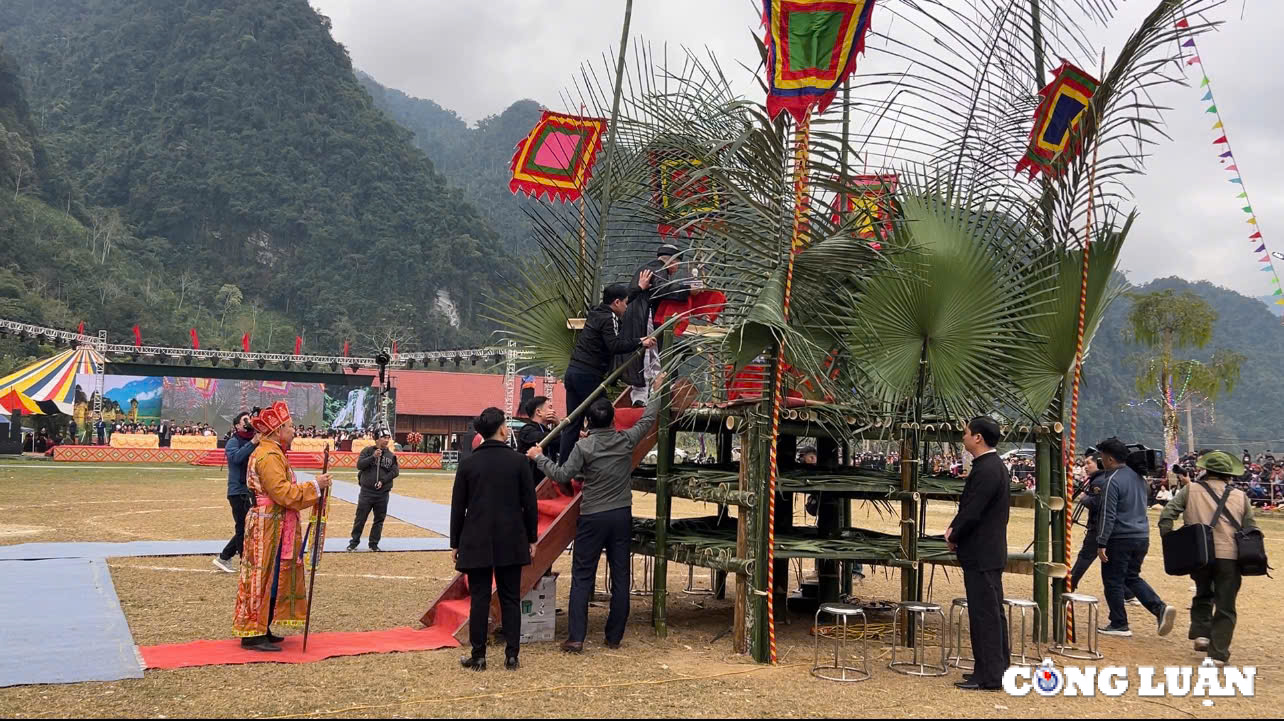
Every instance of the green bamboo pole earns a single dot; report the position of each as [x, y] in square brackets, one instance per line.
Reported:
[1042, 529]
[608, 176]
[757, 453]
[1058, 521]
[664, 461]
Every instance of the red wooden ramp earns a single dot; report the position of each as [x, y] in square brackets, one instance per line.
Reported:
[557, 520]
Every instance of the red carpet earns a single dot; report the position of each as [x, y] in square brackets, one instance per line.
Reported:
[320, 646]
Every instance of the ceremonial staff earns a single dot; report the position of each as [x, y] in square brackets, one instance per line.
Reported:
[319, 518]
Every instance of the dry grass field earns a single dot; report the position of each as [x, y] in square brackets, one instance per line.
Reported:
[692, 672]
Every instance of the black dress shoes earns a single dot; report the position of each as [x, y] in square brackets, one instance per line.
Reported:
[259, 643]
[970, 685]
[473, 662]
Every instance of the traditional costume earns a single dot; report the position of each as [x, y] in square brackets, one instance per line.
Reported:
[271, 586]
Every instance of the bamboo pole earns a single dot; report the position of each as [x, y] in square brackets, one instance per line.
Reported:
[664, 461]
[610, 147]
[1059, 536]
[1042, 527]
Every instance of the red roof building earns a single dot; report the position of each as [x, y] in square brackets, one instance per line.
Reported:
[441, 403]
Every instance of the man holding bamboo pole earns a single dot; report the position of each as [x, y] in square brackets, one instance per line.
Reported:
[595, 349]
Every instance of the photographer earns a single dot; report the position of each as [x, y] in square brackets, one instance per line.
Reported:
[376, 468]
[239, 448]
[1123, 541]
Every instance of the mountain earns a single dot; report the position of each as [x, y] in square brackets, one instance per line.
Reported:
[1244, 419]
[476, 160]
[226, 149]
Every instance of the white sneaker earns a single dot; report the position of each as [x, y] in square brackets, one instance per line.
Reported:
[1215, 662]
[225, 566]
[1166, 619]
[1132, 602]
[1201, 643]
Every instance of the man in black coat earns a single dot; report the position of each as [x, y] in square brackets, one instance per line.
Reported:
[537, 416]
[376, 469]
[602, 339]
[979, 535]
[661, 279]
[493, 529]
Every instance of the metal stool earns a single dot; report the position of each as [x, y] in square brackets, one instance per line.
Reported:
[956, 657]
[1025, 607]
[1069, 650]
[917, 665]
[693, 591]
[648, 576]
[841, 612]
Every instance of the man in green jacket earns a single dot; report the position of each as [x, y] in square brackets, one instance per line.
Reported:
[1212, 611]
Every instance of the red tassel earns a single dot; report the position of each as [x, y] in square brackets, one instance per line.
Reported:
[245, 342]
[196, 342]
[138, 336]
[298, 345]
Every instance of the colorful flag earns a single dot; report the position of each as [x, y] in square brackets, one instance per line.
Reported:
[1261, 248]
[345, 349]
[298, 345]
[1221, 140]
[245, 342]
[196, 342]
[685, 195]
[1255, 236]
[811, 49]
[870, 204]
[1054, 137]
[1207, 96]
[138, 336]
[557, 156]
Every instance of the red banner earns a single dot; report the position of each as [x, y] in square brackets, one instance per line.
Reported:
[138, 336]
[245, 342]
[298, 345]
[196, 342]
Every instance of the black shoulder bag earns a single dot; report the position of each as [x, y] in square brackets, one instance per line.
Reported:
[1190, 548]
[1250, 544]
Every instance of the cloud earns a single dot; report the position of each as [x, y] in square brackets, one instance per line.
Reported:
[477, 58]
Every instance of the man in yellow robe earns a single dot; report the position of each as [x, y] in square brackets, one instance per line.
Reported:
[271, 586]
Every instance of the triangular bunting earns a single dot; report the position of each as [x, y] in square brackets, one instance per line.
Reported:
[1247, 209]
[1183, 23]
[1239, 181]
[1207, 96]
[1205, 83]
[1221, 140]
[1218, 126]
[1252, 220]
[1242, 195]
[1280, 301]
[1189, 43]
[1275, 281]
[1264, 259]
[1232, 167]
[1211, 109]
[1266, 268]
[1193, 60]
[1260, 249]
[1226, 154]
[1255, 236]
[1278, 291]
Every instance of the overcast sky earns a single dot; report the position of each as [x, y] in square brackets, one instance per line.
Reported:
[477, 58]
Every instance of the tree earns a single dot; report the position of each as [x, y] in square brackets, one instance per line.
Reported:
[1166, 322]
[229, 297]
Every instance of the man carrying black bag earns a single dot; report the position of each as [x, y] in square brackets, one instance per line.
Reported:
[1212, 611]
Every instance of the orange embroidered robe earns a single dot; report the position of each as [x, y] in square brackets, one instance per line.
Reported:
[273, 534]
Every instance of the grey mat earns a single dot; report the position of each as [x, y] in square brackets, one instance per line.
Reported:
[425, 514]
[96, 549]
[62, 624]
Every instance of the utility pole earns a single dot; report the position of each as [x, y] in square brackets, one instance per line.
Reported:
[1190, 428]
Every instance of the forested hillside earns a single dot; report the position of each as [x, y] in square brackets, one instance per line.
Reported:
[476, 160]
[232, 174]
[1247, 418]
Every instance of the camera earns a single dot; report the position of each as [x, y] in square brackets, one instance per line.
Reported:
[1147, 462]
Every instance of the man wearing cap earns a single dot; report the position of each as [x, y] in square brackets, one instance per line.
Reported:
[604, 337]
[661, 279]
[271, 582]
[1212, 610]
[376, 469]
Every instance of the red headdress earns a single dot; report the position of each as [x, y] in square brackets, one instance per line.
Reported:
[269, 420]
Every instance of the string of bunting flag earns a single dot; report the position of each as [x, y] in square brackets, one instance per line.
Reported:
[1265, 257]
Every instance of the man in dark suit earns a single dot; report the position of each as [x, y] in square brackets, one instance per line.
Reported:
[979, 535]
[493, 529]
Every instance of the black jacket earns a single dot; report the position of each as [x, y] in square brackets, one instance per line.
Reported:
[981, 525]
[529, 436]
[642, 304]
[493, 516]
[600, 341]
[1091, 499]
[368, 473]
